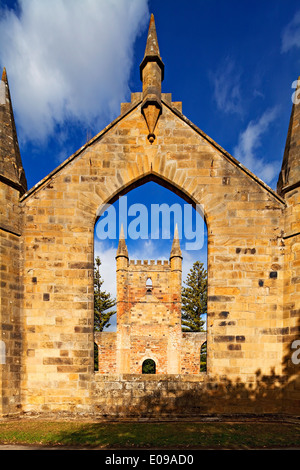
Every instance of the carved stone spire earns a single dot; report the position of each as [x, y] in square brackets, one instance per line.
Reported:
[176, 250]
[11, 168]
[122, 247]
[289, 177]
[152, 74]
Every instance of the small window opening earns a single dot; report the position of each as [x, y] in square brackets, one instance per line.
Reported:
[148, 367]
[2, 352]
[149, 285]
[203, 357]
[96, 357]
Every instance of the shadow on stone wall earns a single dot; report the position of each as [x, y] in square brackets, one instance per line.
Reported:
[179, 396]
[176, 396]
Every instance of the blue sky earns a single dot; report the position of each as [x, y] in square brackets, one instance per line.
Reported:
[71, 62]
[149, 215]
[231, 63]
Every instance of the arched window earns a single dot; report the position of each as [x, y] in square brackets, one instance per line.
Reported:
[148, 367]
[149, 285]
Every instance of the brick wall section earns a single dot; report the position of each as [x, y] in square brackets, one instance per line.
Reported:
[107, 359]
[191, 344]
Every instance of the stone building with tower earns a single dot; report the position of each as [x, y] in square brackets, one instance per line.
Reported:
[149, 318]
[47, 259]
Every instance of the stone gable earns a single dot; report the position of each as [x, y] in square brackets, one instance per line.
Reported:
[47, 247]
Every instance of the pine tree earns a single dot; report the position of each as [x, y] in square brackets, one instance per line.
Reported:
[194, 299]
[103, 301]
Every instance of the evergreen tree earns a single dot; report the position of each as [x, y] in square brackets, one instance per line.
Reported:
[103, 302]
[194, 299]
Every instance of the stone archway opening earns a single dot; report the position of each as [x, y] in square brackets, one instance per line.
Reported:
[150, 211]
[149, 366]
[149, 285]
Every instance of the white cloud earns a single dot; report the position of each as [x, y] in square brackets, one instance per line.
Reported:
[147, 249]
[291, 34]
[248, 145]
[69, 59]
[226, 82]
[189, 258]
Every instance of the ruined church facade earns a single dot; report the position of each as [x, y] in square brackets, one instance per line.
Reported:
[47, 257]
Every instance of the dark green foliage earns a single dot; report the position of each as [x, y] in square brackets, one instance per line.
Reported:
[148, 367]
[194, 299]
[96, 357]
[103, 301]
[203, 358]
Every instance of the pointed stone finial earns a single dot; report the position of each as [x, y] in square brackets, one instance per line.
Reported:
[4, 75]
[151, 112]
[152, 50]
[11, 167]
[176, 233]
[122, 247]
[152, 74]
[176, 250]
[122, 235]
[289, 177]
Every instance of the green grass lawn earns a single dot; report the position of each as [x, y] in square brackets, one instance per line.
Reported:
[167, 435]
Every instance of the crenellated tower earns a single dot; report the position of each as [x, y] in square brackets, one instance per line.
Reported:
[148, 313]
